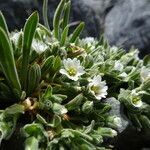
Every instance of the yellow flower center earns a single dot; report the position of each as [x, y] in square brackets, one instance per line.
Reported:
[96, 89]
[136, 100]
[72, 71]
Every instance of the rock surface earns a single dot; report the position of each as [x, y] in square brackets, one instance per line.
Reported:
[128, 24]
[125, 23]
[17, 11]
[117, 111]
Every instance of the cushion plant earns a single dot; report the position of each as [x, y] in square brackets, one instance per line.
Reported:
[62, 84]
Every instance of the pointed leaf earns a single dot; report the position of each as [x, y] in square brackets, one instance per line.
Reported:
[7, 62]
[66, 15]
[45, 17]
[77, 32]
[29, 31]
[64, 36]
[57, 16]
[3, 24]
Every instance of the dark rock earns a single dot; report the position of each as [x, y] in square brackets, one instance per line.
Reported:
[128, 24]
[131, 139]
[92, 12]
[17, 11]
[124, 23]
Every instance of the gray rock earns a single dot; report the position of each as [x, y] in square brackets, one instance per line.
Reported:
[128, 24]
[17, 11]
[124, 23]
[117, 110]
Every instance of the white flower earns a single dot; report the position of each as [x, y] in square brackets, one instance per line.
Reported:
[114, 49]
[15, 37]
[89, 40]
[39, 46]
[72, 69]
[98, 88]
[136, 99]
[118, 66]
[145, 74]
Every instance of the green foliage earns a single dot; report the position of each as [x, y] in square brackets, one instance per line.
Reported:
[66, 85]
[29, 31]
[7, 63]
[57, 18]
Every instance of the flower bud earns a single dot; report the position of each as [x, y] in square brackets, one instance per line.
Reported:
[87, 107]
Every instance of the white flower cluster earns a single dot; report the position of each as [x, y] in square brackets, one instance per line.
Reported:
[39, 46]
[145, 74]
[73, 70]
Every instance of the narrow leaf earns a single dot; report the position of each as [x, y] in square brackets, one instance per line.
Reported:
[57, 64]
[64, 36]
[57, 16]
[47, 65]
[66, 15]
[34, 76]
[77, 32]
[7, 62]
[45, 17]
[29, 31]
[3, 24]
[14, 109]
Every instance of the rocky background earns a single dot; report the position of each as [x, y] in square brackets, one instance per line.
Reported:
[124, 23]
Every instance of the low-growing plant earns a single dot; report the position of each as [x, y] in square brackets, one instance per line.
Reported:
[56, 87]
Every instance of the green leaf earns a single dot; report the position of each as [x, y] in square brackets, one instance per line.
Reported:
[90, 127]
[145, 121]
[75, 103]
[147, 60]
[77, 32]
[146, 85]
[59, 109]
[7, 62]
[29, 31]
[66, 15]
[48, 93]
[31, 143]
[7, 125]
[47, 32]
[58, 98]
[14, 109]
[135, 120]
[3, 24]
[56, 64]
[87, 107]
[34, 76]
[45, 17]
[64, 36]
[34, 129]
[5, 130]
[83, 135]
[5, 89]
[53, 123]
[47, 65]
[56, 120]
[107, 132]
[57, 18]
